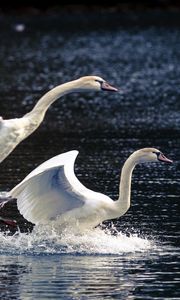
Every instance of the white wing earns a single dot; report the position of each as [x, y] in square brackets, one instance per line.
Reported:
[11, 134]
[51, 190]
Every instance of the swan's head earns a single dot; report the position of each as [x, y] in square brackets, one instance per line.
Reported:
[150, 155]
[95, 83]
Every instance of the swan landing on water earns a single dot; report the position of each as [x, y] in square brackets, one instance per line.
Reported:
[13, 131]
[52, 192]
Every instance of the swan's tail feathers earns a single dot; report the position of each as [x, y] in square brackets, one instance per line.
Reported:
[8, 222]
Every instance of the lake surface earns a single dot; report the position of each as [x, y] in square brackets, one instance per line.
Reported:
[136, 256]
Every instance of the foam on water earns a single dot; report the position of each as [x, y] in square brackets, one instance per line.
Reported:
[47, 240]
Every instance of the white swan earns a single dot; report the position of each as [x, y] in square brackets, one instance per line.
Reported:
[13, 131]
[53, 192]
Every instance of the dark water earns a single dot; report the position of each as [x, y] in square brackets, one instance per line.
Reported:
[137, 256]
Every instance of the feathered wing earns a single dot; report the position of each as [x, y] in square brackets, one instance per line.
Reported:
[11, 134]
[7, 140]
[50, 190]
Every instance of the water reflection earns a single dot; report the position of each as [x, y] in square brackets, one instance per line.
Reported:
[125, 277]
[11, 272]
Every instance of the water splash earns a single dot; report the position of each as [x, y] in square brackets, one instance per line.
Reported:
[47, 240]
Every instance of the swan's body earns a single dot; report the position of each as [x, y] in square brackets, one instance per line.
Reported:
[53, 192]
[13, 131]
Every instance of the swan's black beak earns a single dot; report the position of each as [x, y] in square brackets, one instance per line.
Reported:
[105, 86]
[163, 158]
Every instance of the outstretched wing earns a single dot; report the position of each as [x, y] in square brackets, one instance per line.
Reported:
[51, 190]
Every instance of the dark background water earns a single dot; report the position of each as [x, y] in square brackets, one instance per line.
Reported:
[139, 53]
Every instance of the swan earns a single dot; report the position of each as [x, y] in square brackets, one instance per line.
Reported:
[13, 131]
[52, 192]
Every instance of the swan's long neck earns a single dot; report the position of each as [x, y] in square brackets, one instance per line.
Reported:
[123, 202]
[45, 101]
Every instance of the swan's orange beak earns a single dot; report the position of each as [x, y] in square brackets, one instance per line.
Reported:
[105, 86]
[163, 158]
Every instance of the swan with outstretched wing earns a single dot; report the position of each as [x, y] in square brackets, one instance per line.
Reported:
[53, 192]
